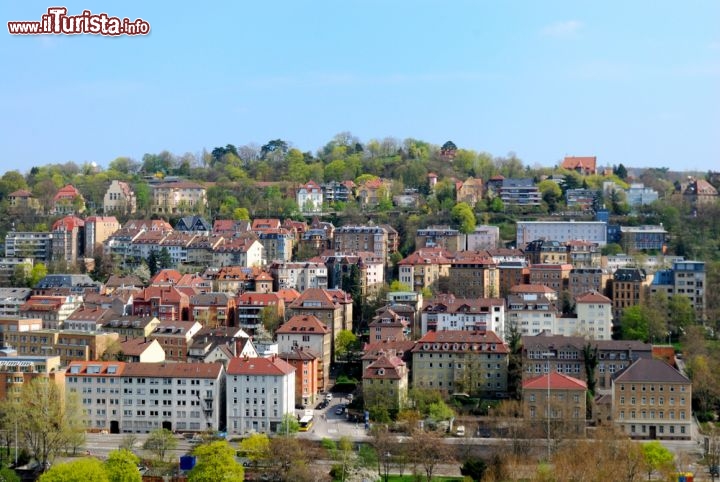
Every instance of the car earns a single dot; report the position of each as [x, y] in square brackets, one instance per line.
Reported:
[460, 431]
[715, 470]
[340, 410]
[328, 397]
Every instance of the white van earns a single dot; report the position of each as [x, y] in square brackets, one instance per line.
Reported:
[460, 431]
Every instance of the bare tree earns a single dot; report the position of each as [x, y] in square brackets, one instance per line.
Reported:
[428, 450]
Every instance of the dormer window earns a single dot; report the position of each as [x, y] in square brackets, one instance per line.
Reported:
[381, 371]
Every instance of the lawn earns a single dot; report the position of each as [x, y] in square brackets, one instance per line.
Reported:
[419, 478]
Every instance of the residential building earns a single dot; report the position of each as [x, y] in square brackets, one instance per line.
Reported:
[260, 392]
[628, 288]
[277, 244]
[97, 230]
[306, 364]
[299, 276]
[68, 239]
[11, 267]
[164, 302]
[372, 191]
[17, 371]
[591, 231]
[451, 361]
[119, 198]
[68, 200]
[685, 278]
[583, 254]
[317, 238]
[532, 313]
[385, 384]
[582, 280]
[175, 337]
[390, 325]
[194, 224]
[512, 273]
[14, 324]
[309, 197]
[142, 397]
[307, 332]
[23, 200]
[446, 312]
[643, 238]
[639, 195]
[11, 299]
[439, 237]
[179, 197]
[243, 252]
[335, 191]
[566, 354]
[473, 274]
[554, 276]
[141, 350]
[52, 310]
[469, 191]
[652, 400]
[587, 166]
[482, 238]
[520, 193]
[73, 284]
[88, 319]
[213, 309]
[699, 193]
[593, 317]
[252, 306]
[580, 199]
[131, 326]
[424, 268]
[331, 307]
[35, 245]
[370, 271]
[68, 345]
[556, 401]
[351, 239]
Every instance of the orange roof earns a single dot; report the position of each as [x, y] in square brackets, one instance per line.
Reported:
[303, 324]
[272, 366]
[445, 341]
[173, 370]
[557, 381]
[584, 163]
[592, 297]
[67, 192]
[68, 223]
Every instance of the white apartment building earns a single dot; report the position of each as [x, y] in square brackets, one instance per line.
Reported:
[309, 198]
[561, 231]
[260, 391]
[140, 397]
[532, 313]
[450, 313]
[11, 299]
[300, 276]
[593, 320]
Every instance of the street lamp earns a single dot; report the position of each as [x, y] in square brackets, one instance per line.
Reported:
[547, 356]
[386, 457]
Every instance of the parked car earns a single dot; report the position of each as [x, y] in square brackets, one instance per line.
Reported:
[460, 431]
[340, 410]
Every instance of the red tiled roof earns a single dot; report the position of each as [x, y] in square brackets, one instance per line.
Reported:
[585, 163]
[309, 324]
[173, 370]
[68, 223]
[528, 288]
[445, 341]
[259, 366]
[592, 297]
[557, 381]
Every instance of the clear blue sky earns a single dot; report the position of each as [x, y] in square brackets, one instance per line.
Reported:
[633, 82]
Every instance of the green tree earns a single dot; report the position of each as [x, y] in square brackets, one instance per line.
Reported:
[464, 217]
[289, 424]
[440, 411]
[241, 214]
[396, 285]
[164, 259]
[85, 469]
[215, 462]
[496, 205]
[551, 194]
[121, 466]
[344, 342]
[656, 457]
[634, 324]
[256, 447]
[160, 442]
[474, 468]
[682, 313]
[38, 272]
[152, 262]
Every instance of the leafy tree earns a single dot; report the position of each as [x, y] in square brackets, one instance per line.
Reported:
[464, 217]
[656, 457]
[289, 424]
[611, 249]
[241, 214]
[286, 457]
[256, 447]
[42, 419]
[620, 171]
[428, 450]
[590, 356]
[215, 461]
[159, 442]
[38, 272]
[551, 193]
[682, 313]
[396, 286]
[440, 411]
[702, 370]
[345, 459]
[270, 319]
[344, 342]
[121, 466]
[89, 469]
[496, 205]
[634, 324]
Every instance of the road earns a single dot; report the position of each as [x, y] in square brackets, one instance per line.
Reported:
[99, 445]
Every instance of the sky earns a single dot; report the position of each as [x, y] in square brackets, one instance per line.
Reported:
[633, 82]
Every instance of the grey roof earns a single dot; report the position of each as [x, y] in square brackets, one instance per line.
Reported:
[651, 370]
[66, 281]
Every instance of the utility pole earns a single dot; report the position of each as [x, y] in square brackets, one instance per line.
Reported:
[547, 356]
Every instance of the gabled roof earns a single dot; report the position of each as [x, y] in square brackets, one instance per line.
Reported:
[650, 370]
[272, 366]
[21, 193]
[166, 276]
[306, 324]
[557, 381]
[386, 367]
[584, 163]
[255, 298]
[68, 223]
[319, 296]
[174, 370]
[67, 192]
[593, 297]
[530, 288]
[136, 346]
[461, 341]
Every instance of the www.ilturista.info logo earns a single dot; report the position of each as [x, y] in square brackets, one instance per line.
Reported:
[57, 21]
